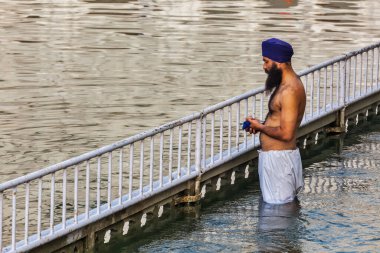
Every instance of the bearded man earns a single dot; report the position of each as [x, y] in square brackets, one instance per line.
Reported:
[280, 167]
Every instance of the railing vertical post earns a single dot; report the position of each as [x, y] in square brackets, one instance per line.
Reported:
[366, 73]
[98, 182]
[237, 125]
[212, 136]
[245, 116]
[354, 85]
[179, 160]
[64, 190]
[229, 130]
[332, 86]
[151, 163]
[262, 106]
[312, 95]
[221, 135]
[253, 115]
[14, 222]
[27, 193]
[76, 194]
[109, 183]
[261, 113]
[373, 65]
[377, 69]
[52, 204]
[198, 140]
[348, 80]
[319, 92]
[361, 74]
[121, 175]
[325, 91]
[342, 95]
[87, 203]
[305, 85]
[204, 134]
[189, 147]
[141, 167]
[170, 155]
[131, 154]
[338, 83]
[162, 158]
[39, 207]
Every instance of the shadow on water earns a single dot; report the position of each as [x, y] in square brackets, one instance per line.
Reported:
[334, 145]
[232, 220]
[236, 219]
[171, 233]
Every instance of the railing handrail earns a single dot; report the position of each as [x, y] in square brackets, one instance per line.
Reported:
[337, 59]
[98, 152]
[135, 138]
[232, 100]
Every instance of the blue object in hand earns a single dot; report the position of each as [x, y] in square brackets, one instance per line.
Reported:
[246, 124]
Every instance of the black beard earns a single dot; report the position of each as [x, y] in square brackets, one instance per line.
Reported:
[274, 78]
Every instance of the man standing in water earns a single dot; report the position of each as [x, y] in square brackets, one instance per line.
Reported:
[280, 167]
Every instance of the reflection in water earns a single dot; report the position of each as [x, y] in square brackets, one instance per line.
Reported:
[278, 227]
[282, 3]
[339, 4]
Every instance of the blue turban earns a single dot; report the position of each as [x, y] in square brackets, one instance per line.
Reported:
[277, 50]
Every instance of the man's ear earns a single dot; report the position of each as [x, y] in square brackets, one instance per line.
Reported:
[278, 65]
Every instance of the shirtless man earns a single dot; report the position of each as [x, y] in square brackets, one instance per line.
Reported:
[280, 167]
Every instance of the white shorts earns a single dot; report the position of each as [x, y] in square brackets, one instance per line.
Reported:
[280, 174]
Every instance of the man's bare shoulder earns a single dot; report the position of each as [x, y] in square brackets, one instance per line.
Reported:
[293, 90]
[293, 87]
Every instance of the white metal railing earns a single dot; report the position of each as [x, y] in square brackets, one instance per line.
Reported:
[51, 202]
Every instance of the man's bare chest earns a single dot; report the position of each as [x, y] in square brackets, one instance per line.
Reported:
[274, 104]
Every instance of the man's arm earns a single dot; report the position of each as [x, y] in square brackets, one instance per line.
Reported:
[288, 118]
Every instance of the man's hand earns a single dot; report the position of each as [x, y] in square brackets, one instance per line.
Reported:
[255, 125]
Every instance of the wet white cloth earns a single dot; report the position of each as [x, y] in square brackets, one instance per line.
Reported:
[280, 174]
